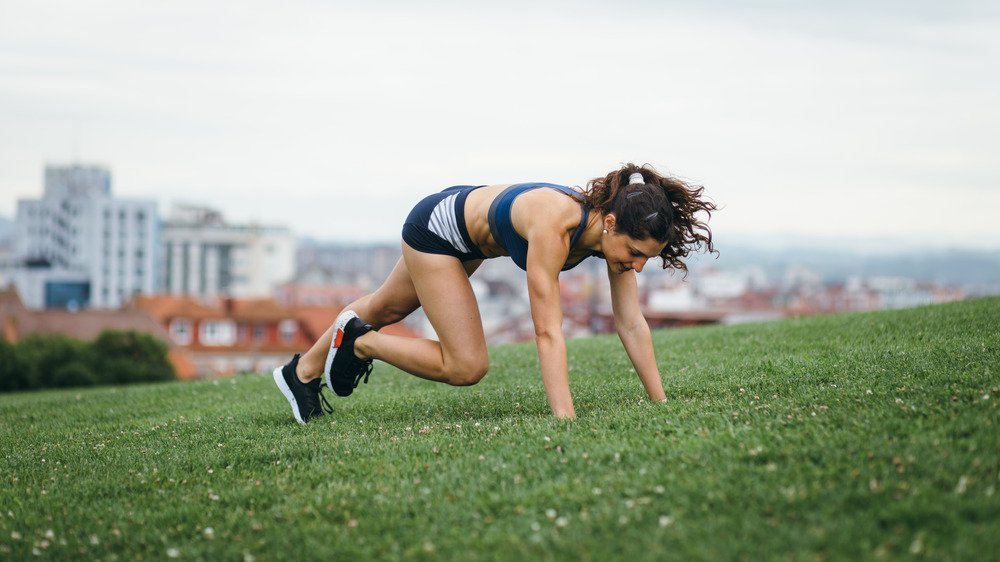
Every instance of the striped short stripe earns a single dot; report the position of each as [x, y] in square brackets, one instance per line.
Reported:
[436, 225]
[444, 224]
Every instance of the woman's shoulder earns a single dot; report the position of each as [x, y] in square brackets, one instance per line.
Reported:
[547, 206]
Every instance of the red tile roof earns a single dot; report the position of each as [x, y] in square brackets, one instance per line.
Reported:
[165, 307]
[316, 319]
[15, 318]
[88, 324]
[260, 310]
[18, 322]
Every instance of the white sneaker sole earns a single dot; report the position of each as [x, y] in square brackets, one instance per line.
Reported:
[338, 333]
[279, 379]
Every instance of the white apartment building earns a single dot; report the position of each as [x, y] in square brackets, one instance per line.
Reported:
[78, 246]
[205, 257]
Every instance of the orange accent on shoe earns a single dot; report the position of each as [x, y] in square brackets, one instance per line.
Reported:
[340, 337]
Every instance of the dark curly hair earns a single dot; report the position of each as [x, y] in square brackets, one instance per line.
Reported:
[662, 207]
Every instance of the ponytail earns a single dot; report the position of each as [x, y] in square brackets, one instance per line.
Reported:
[648, 205]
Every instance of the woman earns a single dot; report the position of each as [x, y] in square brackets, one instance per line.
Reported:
[627, 217]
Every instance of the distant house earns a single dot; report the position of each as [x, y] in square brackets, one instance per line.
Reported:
[226, 337]
[18, 322]
[231, 337]
[240, 335]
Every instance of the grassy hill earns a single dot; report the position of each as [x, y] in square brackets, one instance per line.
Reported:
[851, 436]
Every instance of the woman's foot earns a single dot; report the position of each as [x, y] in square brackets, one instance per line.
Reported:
[343, 368]
[304, 397]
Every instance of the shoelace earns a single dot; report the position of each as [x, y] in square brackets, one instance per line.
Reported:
[325, 405]
[314, 406]
[365, 372]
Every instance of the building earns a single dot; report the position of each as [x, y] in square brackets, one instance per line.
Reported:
[365, 265]
[80, 247]
[7, 239]
[205, 257]
[18, 322]
[317, 285]
[234, 336]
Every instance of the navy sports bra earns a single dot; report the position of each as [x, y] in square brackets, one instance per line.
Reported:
[504, 233]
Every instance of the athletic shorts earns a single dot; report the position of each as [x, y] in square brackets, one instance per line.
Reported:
[437, 225]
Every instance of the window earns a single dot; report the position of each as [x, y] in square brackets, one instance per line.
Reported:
[217, 332]
[259, 333]
[180, 331]
[287, 329]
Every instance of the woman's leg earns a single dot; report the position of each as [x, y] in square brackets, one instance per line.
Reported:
[395, 300]
[390, 303]
[443, 290]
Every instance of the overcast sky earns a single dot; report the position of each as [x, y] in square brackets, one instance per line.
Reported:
[830, 121]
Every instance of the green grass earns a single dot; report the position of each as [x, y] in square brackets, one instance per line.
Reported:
[851, 436]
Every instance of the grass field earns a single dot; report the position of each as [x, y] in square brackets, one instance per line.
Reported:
[852, 436]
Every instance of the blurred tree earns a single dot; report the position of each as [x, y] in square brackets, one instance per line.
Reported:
[116, 357]
[130, 356]
[44, 355]
[74, 373]
[15, 373]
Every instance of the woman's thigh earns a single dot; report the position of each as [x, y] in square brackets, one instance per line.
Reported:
[396, 298]
[443, 290]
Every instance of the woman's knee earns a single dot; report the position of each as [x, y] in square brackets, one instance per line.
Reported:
[466, 372]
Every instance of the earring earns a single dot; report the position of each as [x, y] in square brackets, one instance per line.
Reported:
[605, 231]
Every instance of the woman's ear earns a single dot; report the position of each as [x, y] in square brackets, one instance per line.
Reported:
[609, 221]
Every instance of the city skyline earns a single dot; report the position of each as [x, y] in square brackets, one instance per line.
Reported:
[861, 121]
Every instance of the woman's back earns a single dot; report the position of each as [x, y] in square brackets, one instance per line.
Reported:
[512, 208]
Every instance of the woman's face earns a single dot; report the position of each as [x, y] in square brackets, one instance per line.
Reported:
[623, 252]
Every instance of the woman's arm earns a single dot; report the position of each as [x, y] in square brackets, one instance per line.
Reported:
[546, 219]
[544, 264]
[634, 332]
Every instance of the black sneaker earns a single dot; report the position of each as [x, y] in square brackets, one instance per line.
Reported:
[304, 397]
[343, 369]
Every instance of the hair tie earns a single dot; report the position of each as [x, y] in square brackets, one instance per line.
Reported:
[636, 177]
